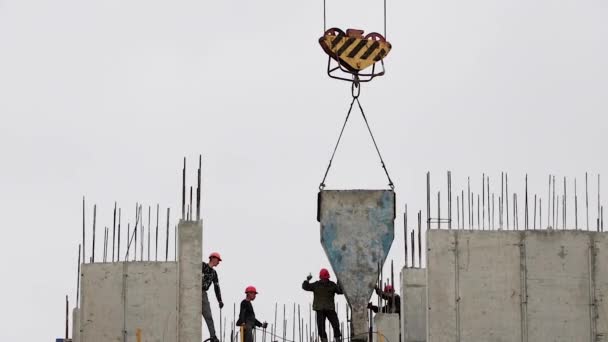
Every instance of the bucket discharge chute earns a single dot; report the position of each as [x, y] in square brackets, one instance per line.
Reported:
[357, 230]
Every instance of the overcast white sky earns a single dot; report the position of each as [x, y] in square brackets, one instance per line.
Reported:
[104, 98]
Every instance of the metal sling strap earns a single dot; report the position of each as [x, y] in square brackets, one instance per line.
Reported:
[356, 98]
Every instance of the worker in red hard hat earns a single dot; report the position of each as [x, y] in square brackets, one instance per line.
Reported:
[324, 291]
[393, 301]
[247, 318]
[210, 277]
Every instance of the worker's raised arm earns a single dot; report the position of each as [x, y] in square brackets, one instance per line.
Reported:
[306, 285]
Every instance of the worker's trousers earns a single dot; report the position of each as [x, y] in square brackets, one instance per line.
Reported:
[247, 333]
[333, 320]
[207, 314]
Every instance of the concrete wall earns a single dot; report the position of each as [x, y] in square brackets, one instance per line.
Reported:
[516, 286]
[119, 298]
[76, 325]
[413, 304]
[190, 280]
[159, 301]
[386, 326]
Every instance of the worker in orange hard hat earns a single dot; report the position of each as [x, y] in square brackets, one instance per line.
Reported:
[393, 301]
[247, 318]
[324, 291]
[210, 277]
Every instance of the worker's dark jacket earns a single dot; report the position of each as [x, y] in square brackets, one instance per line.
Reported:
[389, 307]
[210, 277]
[247, 316]
[324, 292]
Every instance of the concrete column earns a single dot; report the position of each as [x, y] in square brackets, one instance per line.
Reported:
[75, 325]
[386, 326]
[413, 304]
[190, 239]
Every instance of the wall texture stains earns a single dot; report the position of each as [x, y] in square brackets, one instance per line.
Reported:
[357, 230]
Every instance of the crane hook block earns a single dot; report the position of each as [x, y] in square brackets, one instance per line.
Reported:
[352, 50]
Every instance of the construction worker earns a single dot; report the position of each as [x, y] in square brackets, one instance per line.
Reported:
[210, 277]
[324, 291]
[393, 301]
[247, 318]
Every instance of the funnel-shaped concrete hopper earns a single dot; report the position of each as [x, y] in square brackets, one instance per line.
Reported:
[357, 230]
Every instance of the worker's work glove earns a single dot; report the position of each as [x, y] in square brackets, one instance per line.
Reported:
[308, 277]
[221, 304]
[264, 325]
[369, 305]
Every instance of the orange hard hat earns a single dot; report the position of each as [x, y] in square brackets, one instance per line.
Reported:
[251, 289]
[215, 255]
[324, 273]
[389, 288]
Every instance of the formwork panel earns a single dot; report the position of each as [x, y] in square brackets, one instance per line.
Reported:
[558, 286]
[600, 280]
[101, 320]
[489, 286]
[151, 304]
[441, 285]
[413, 304]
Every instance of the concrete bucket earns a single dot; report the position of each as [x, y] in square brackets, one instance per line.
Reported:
[357, 230]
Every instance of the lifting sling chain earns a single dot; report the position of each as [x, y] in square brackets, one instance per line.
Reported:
[351, 53]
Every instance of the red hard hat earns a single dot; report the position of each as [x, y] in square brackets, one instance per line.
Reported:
[324, 273]
[215, 255]
[251, 289]
[389, 288]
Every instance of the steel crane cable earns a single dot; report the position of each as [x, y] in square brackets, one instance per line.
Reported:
[355, 96]
[325, 17]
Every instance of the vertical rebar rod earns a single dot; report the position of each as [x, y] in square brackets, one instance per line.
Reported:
[67, 319]
[598, 202]
[405, 233]
[449, 200]
[198, 189]
[469, 202]
[575, 206]
[94, 224]
[149, 218]
[587, 199]
[549, 203]
[113, 230]
[488, 200]
[540, 213]
[156, 239]
[534, 225]
[84, 228]
[478, 225]
[105, 243]
[554, 211]
[413, 244]
[419, 239]
[462, 207]
[507, 198]
[483, 201]
[135, 231]
[565, 208]
[493, 225]
[457, 212]
[167, 236]
[438, 209]
[184, 190]
[118, 235]
[78, 279]
[526, 219]
[501, 199]
[428, 200]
